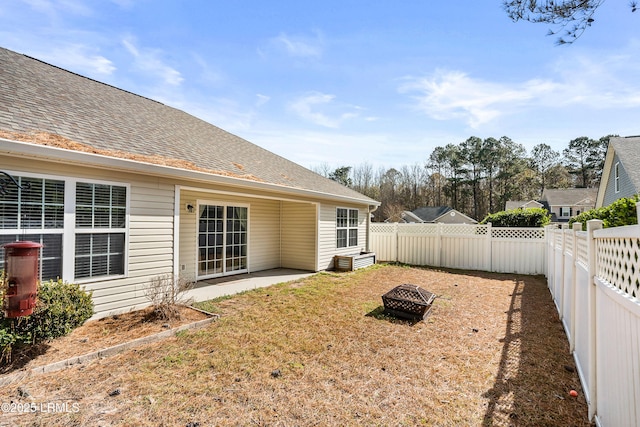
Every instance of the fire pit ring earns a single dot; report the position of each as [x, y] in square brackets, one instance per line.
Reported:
[408, 301]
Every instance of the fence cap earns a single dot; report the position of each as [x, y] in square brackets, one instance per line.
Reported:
[22, 245]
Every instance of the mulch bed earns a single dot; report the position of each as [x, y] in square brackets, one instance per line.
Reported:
[97, 335]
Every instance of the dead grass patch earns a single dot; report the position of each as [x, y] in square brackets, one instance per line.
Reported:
[321, 352]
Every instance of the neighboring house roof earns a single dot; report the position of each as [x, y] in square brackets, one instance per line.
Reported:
[94, 117]
[627, 152]
[431, 213]
[570, 197]
[409, 216]
[436, 213]
[516, 204]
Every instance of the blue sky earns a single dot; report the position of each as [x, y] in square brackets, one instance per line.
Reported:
[347, 82]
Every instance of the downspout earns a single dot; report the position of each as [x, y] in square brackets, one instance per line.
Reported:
[370, 209]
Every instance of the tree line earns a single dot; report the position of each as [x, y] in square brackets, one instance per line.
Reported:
[476, 177]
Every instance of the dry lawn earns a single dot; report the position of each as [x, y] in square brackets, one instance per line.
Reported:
[320, 352]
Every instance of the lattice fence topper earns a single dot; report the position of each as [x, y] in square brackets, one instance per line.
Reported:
[568, 241]
[617, 263]
[426, 229]
[518, 233]
[582, 247]
[465, 229]
[381, 227]
[557, 239]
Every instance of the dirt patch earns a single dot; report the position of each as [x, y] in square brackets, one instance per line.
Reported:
[320, 351]
[97, 335]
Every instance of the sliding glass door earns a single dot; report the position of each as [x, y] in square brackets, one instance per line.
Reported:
[222, 240]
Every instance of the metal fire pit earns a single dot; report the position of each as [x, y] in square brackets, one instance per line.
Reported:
[408, 301]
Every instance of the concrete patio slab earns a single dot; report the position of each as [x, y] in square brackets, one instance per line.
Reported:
[223, 286]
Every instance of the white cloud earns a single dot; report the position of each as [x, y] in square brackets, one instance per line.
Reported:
[308, 107]
[147, 60]
[576, 81]
[262, 99]
[300, 46]
[81, 59]
[454, 95]
[52, 8]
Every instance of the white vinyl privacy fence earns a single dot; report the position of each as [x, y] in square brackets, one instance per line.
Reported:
[469, 247]
[594, 277]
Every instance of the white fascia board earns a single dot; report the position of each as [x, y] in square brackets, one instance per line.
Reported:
[60, 155]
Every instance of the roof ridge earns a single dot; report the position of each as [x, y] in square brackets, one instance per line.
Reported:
[88, 78]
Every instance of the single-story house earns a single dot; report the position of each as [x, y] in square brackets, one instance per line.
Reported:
[122, 189]
[437, 214]
[568, 202]
[621, 174]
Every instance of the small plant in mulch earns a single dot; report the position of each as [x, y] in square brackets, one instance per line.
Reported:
[166, 293]
[60, 308]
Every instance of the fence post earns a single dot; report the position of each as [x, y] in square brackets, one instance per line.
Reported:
[592, 225]
[638, 211]
[559, 282]
[489, 264]
[397, 234]
[439, 245]
[577, 226]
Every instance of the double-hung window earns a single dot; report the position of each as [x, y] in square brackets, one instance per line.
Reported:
[34, 210]
[616, 177]
[346, 227]
[100, 232]
[82, 226]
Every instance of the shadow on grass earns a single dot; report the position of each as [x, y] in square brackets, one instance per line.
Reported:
[532, 383]
[21, 355]
[380, 314]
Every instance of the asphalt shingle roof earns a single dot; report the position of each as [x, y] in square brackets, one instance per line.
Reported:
[38, 97]
[431, 213]
[570, 196]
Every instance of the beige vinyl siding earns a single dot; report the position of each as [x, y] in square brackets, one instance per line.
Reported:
[150, 247]
[264, 230]
[299, 235]
[327, 234]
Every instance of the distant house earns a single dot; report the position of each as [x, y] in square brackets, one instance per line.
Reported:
[621, 173]
[437, 214]
[522, 204]
[121, 189]
[568, 202]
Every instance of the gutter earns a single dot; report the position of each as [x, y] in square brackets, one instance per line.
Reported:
[60, 155]
[370, 209]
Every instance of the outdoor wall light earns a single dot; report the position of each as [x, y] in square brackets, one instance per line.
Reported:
[190, 208]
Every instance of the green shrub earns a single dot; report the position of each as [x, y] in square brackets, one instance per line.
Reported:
[60, 308]
[619, 213]
[530, 217]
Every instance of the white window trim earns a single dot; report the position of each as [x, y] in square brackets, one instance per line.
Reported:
[616, 177]
[70, 238]
[69, 225]
[357, 228]
[224, 203]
